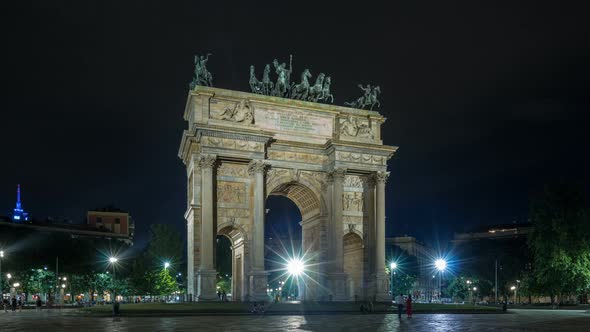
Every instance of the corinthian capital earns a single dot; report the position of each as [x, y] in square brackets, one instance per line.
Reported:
[381, 177]
[207, 161]
[338, 173]
[256, 166]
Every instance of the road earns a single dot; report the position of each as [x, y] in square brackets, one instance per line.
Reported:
[516, 320]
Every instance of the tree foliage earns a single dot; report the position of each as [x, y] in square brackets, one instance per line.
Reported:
[165, 245]
[560, 242]
[165, 283]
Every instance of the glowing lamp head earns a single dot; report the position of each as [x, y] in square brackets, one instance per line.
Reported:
[1, 253]
[8, 275]
[393, 265]
[474, 288]
[113, 259]
[512, 287]
[16, 284]
[167, 265]
[440, 264]
[63, 285]
[295, 267]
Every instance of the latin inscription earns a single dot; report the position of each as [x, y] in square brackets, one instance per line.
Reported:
[293, 121]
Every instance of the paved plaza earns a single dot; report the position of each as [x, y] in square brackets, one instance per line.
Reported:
[517, 320]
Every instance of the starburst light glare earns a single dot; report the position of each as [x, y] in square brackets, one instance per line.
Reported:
[440, 264]
[295, 267]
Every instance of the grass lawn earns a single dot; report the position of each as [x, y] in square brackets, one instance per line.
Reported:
[280, 308]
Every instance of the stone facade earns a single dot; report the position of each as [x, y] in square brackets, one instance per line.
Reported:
[240, 148]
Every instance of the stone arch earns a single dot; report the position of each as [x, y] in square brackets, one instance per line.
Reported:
[238, 237]
[308, 197]
[353, 263]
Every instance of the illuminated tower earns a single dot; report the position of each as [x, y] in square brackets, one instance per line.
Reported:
[19, 214]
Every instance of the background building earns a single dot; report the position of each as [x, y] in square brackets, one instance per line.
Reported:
[426, 286]
[112, 219]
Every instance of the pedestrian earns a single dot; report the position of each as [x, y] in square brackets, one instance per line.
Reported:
[223, 296]
[13, 303]
[19, 303]
[219, 295]
[399, 300]
[38, 303]
[409, 306]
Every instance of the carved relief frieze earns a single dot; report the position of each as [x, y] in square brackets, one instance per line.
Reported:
[241, 112]
[234, 144]
[298, 157]
[233, 212]
[355, 128]
[233, 170]
[352, 201]
[274, 173]
[360, 158]
[231, 192]
[317, 179]
[353, 181]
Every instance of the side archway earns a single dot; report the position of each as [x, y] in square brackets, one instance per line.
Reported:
[239, 267]
[353, 263]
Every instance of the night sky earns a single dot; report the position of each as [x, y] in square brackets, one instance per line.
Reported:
[487, 101]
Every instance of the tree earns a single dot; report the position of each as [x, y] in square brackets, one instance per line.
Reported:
[459, 289]
[560, 242]
[165, 245]
[406, 272]
[165, 283]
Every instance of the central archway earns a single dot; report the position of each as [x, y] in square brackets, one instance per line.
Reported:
[307, 198]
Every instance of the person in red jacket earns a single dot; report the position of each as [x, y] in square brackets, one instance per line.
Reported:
[409, 306]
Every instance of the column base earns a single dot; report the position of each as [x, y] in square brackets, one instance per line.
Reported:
[337, 286]
[258, 285]
[381, 282]
[206, 282]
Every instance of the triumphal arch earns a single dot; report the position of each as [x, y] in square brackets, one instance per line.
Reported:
[241, 147]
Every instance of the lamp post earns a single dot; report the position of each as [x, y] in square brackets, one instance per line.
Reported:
[469, 282]
[440, 265]
[113, 261]
[1, 288]
[393, 267]
[513, 288]
[517, 299]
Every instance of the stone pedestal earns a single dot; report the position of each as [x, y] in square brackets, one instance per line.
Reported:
[382, 288]
[337, 286]
[206, 281]
[258, 282]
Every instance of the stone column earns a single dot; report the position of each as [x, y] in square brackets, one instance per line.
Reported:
[258, 277]
[369, 231]
[207, 273]
[381, 278]
[337, 277]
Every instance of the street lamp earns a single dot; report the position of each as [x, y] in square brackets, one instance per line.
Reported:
[440, 265]
[1, 290]
[513, 288]
[393, 267]
[516, 291]
[166, 265]
[469, 282]
[113, 260]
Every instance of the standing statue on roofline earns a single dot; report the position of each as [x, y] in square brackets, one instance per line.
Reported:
[202, 75]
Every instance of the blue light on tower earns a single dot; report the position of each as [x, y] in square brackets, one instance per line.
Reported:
[19, 214]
